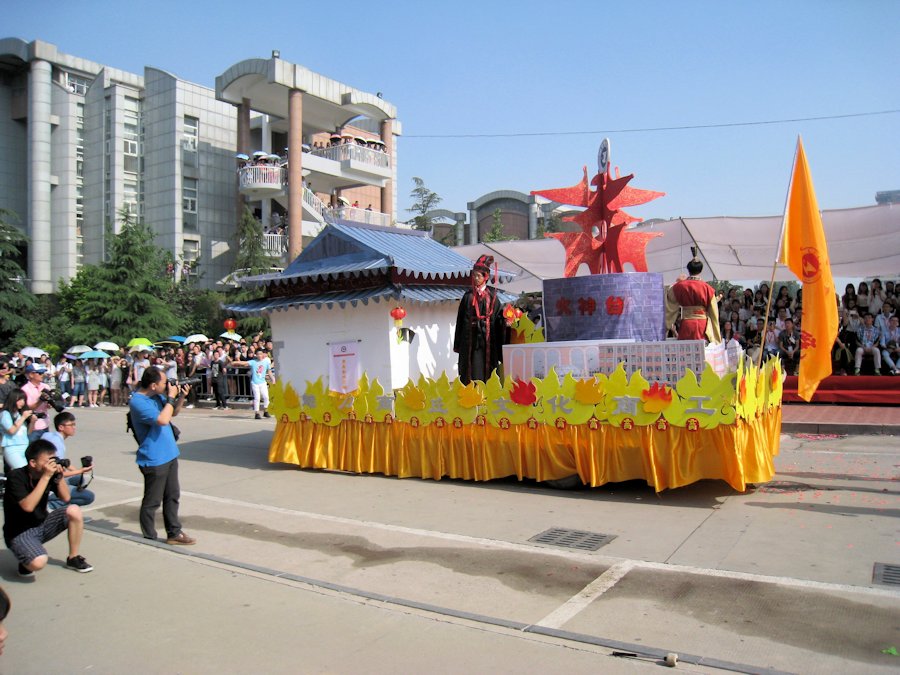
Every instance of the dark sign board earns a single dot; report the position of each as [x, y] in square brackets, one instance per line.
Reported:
[605, 307]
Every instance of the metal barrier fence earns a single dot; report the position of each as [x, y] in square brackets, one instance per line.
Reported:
[237, 383]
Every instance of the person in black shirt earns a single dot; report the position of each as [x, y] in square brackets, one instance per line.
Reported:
[27, 525]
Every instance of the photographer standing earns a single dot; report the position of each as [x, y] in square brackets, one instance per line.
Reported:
[152, 408]
[64, 423]
[26, 524]
[37, 395]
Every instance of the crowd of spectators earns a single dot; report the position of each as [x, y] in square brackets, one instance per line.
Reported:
[867, 326]
[219, 364]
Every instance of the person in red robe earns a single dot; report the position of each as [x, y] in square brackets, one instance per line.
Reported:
[695, 301]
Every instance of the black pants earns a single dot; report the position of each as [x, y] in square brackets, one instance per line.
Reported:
[220, 391]
[160, 487]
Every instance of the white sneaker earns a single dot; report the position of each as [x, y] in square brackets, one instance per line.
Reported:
[189, 405]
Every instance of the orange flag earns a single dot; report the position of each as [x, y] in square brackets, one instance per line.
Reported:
[805, 252]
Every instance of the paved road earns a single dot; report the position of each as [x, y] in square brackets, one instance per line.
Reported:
[306, 571]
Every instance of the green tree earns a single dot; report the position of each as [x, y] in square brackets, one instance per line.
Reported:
[16, 301]
[251, 259]
[496, 231]
[425, 201]
[126, 296]
[551, 223]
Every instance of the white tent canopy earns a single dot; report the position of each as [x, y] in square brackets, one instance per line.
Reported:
[862, 242]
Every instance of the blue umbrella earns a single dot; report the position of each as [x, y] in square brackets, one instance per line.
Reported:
[177, 338]
[96, 354]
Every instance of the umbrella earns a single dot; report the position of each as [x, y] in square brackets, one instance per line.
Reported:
[33, 352]
[78, 349]
[139, 342]
[260, 153]
[242, 156]
[230, 335]
[274, 157]
[196, 337]
[140, 348]
[108, 346]
[344, 201]
[176, 338]
[94, 355]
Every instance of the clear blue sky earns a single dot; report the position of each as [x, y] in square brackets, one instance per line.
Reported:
[536, 67]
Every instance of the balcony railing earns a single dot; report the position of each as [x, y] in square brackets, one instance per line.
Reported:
[356, 153]
[262, 179]
[358, 215]
[276, 244]
[314, 203]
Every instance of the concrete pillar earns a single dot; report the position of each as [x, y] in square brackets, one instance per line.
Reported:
[295, 174]
[532, 219]
[460, 228]
[266, 204]
[243, 145]
[473, 224]
[387, 192]
[39, 155]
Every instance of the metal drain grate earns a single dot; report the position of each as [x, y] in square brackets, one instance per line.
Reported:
[577, 539]
[886, 574]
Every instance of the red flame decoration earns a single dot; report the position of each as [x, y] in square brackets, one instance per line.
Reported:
[523, 393]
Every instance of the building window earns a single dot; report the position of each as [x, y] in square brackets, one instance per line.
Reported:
[190, 257]
[189, 191]
[191, 133]
[77, 84]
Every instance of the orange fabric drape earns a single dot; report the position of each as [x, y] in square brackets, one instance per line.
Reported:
[740, 453]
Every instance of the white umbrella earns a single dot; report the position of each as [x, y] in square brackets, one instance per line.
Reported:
[230, 335]
[33, 352]
[78, 349]
[196, 337]
[107, 346]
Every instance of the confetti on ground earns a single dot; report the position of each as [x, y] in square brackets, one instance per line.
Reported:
[819, 437]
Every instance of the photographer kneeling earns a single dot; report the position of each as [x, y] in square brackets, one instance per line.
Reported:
[64, 424]
[152, 408]
[27, 525]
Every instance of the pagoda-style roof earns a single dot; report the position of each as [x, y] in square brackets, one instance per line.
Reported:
[353, 262]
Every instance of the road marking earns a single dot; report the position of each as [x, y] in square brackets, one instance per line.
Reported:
[532, 548]
[586, 595]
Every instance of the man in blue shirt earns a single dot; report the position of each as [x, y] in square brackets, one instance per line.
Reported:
[869, 340]
[64, 425]
[152, 408]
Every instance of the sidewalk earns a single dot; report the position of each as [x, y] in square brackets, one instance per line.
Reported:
[832, 418]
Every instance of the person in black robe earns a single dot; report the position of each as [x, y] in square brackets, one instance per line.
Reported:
[481, 330]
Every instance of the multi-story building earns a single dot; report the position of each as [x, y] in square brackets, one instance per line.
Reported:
[81, 141]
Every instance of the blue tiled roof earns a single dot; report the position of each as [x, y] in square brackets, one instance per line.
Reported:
[344, 248]
[423, 294]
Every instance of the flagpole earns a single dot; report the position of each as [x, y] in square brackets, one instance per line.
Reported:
[787, 200]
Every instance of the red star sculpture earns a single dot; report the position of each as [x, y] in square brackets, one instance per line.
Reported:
[604, 243]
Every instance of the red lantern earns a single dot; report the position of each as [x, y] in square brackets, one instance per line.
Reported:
[230, 325]
[397, 314]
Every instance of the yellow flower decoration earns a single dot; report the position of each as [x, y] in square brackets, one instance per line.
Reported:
[469, 395]
[589, 391]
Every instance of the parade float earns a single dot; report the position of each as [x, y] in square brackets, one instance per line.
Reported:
[607, 398]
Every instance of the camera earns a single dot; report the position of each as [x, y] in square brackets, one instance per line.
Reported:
[40, 416]
[64, 463]
[55, 399]
[185, 380]
[87, 461]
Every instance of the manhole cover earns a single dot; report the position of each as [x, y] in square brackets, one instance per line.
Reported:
[886, 574]
[577, 539]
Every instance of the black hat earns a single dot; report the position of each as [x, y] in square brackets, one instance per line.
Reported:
[484, 264]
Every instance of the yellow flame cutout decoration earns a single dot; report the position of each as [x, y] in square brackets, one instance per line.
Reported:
[702, 403]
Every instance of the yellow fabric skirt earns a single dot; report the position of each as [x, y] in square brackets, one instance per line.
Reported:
[739, 453]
